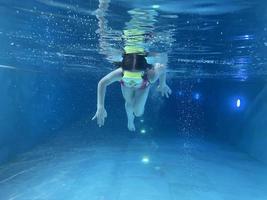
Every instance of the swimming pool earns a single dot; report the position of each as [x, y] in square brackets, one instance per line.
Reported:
[207, 141]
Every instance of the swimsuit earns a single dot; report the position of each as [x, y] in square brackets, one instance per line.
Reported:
[144, 84]
[135, 67]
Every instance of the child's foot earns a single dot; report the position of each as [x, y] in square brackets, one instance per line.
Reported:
[131, 126]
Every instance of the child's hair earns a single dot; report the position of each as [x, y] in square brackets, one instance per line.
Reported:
[134, 62]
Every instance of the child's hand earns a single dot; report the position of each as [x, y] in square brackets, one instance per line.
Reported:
[160, 67]
[164, 90]
[100, 114]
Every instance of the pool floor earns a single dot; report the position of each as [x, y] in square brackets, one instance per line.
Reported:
[80, 164]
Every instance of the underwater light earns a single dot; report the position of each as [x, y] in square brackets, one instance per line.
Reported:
[143, 131]
[155, 6]
[197, 96]
[238, 103]
[246, 37]
[145, 160]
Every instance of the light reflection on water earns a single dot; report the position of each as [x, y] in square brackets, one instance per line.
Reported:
[217, 39]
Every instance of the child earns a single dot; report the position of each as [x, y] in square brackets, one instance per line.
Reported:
[135, 76]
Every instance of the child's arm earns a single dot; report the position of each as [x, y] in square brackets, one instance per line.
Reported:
[101, 113]
[104, 82]
[163, 88]
[162, 76]
[159, 72]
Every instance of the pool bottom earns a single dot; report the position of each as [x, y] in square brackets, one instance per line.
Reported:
[80, 165]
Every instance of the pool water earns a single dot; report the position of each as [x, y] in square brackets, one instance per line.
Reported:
[207, 141]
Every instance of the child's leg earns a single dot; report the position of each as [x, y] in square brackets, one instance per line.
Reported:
[140, 101]
[128, 95]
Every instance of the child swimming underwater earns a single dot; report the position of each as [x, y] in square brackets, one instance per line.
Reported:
[134, 73]
[135, 76]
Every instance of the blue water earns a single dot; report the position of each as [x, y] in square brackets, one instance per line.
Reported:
[207, 141]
